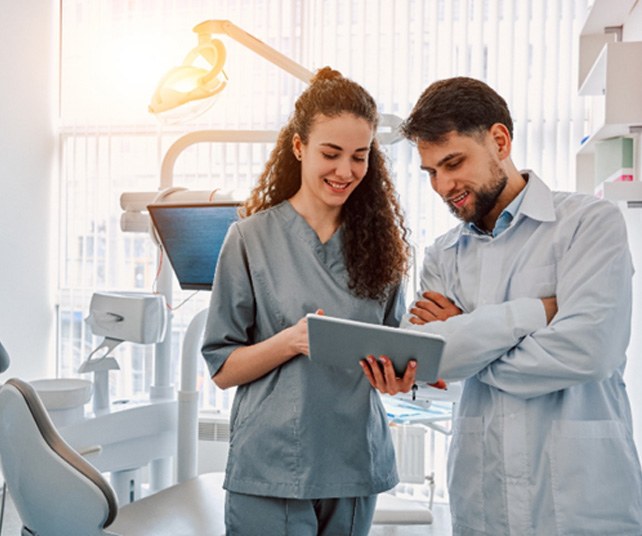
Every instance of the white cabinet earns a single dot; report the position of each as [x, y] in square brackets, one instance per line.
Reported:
[615, 83]
[610, 76]
[598, 29]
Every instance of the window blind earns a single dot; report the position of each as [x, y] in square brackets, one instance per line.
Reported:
[113, 52]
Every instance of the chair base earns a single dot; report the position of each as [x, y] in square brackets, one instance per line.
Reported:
[393, 510]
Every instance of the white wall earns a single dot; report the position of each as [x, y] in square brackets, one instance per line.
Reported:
[27, 145]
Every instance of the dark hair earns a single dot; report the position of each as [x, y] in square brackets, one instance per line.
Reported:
[375, 248]
[460, 104]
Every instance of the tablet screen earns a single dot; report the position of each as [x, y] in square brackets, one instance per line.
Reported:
[343, 343]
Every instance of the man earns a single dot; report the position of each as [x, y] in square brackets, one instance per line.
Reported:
[542, 441]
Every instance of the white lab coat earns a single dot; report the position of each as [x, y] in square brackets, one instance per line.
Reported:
[542, 441]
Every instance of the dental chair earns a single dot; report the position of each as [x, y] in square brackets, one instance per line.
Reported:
[4, 365]
[58, 493]
[4, 359]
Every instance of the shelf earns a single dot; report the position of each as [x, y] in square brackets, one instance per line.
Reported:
[604, 132]
[601, 15]
[590, 48]
[621, 191]
[610, 74]
[615, 83]
[605, 13]
[617, 67]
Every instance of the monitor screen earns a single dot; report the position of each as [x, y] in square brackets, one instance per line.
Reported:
[192, 236]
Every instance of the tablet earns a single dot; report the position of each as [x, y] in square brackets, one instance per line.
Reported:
[343, 343]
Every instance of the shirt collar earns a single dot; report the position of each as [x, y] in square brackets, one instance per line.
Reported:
[535, 201]
[538, 201]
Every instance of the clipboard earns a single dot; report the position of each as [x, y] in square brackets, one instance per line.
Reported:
[342, 343]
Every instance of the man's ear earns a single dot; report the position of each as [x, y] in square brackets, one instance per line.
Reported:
[501, 139]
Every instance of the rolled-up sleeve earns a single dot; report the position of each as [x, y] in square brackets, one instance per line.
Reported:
[395, 307]
[232, 307]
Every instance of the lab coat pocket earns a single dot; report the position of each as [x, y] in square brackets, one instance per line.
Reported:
[534, 282]
[594, 489]
[465, 484]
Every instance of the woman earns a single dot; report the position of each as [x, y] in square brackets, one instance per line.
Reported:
[322, 230]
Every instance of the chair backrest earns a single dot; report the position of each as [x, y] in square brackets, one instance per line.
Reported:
[4, 359]
[56, 492]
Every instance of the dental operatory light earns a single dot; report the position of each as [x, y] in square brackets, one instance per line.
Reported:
[191, 89]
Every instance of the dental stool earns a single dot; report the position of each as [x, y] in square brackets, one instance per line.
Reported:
[58, 493]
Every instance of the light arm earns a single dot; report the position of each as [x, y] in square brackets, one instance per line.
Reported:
[255, 45]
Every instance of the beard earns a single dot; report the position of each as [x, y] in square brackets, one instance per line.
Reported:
[485, 198]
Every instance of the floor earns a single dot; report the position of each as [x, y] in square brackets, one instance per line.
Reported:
[440, 526]
[11, 523]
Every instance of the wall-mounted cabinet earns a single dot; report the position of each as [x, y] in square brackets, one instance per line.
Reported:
[615, 83]
[610, 75]
[598, 30]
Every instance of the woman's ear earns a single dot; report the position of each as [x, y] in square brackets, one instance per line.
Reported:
[297, 145]
[502, 140]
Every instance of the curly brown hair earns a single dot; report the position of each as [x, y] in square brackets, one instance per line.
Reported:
[375, 245]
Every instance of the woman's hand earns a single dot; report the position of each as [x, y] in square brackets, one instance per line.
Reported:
[248, 363]
[298, 335]
[381, 375]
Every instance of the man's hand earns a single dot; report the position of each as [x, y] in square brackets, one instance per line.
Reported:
[550, 307]
[435, 307]
[381, 375]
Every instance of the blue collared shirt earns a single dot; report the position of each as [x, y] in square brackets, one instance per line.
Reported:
[542, 441]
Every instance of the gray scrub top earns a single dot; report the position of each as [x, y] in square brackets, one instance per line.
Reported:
[304, 430]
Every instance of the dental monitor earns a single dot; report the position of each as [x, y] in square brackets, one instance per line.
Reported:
[192, 236]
